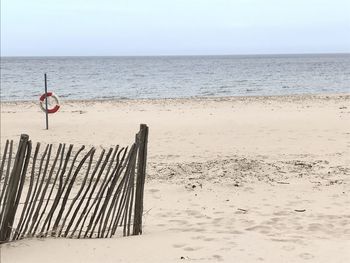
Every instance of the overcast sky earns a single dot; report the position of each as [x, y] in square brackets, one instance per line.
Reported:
[173, 27]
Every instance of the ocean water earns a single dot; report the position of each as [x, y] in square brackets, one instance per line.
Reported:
[22, 78]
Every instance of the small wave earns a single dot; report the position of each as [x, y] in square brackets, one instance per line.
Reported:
[112, 97]
[207, 93]
[66, 95]
[250, 90]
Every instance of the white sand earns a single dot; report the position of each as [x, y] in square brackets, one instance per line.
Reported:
[225, 177]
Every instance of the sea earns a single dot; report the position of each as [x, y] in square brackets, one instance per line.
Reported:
[86, 78]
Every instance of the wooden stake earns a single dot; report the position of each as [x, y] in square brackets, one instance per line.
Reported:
[140, 180]
[46, 106]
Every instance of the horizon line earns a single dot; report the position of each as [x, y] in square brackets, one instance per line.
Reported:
[180, 55]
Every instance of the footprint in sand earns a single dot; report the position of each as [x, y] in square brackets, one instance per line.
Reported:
[261, 229]
[236, 232]
[155, 193]
[198, 237]
[193, 229]
[153, 190]
[193, 212]
[218, 212]
[163, 215]
[179, 245]
[314, 227]
[209, 239]
[306, 256]
[178, 221]
[192, 248]
[288, 248]
[281, 213]
[217, 257]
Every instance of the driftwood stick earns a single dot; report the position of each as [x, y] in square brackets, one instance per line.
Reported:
[59, 215]
[5, 178]
[114, 151]
[48, 181]
[87, 209]
[5, 187]
[125, 212]
[117, 164]
[98, 198]
[26, 202]
[91, 155]
[84, 195]
[35, 193]
[58, 194]
[116, 197]
[114, 216]
[51, 191]
[113, 175]
[122, 202]
[14, 180]
[121, 205]
[132, 182]
[132, 189]
[28, 152]
[92, 190]
[96, 204]
[114, 205]
[69, 188]
[3, 161]
[127, 219]
[104, 221]
[1, 172]
[37, 199]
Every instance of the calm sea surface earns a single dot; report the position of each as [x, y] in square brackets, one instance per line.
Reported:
[173, 77]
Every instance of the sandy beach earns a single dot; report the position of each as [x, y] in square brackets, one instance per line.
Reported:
[237, 179]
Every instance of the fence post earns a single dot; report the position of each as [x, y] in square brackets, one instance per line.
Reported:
[142, 140]
[13, 190]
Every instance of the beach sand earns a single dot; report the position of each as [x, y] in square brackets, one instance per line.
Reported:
[240, 179]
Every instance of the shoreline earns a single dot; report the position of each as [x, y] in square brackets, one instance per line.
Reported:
[196, 98]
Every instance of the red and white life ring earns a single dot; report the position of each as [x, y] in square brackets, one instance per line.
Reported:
[56, 102]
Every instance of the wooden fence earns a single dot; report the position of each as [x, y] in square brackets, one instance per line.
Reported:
[67, 193]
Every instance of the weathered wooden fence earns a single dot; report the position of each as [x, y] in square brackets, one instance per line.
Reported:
[66, 193]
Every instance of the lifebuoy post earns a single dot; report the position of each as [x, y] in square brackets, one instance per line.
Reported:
[46, 107]
[44, 104]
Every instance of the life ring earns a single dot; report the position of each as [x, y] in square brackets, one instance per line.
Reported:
[54, 97]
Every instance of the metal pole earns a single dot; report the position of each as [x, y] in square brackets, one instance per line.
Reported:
[46, 106]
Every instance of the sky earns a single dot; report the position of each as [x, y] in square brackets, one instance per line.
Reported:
[173, 27]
